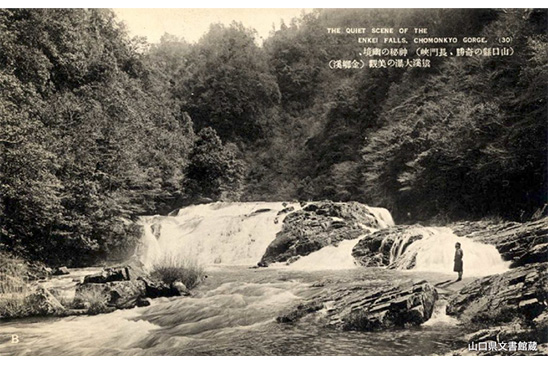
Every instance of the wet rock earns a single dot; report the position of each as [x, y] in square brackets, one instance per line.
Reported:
[157, 289]
[60, 271]
[43, 303]
[179, 289]
[358, 308]
[520, 293]
[318, 225]
[522, 243]
[286, 210]
[374, 250]
[301, 311]
[108, 275]
[143, 302]
[292, 259]
[407, 305]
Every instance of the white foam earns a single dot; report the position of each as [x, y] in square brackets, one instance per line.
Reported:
[436, 251]
[217, 233]
[329, 258]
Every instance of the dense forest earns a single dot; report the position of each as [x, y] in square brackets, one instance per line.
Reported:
[98, 128]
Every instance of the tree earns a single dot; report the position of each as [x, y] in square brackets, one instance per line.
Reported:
[213, 171]
[229, 87]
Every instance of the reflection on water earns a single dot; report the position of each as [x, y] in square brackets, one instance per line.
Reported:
[231, 314]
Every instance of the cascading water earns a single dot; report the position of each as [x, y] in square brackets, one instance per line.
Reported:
[403, 240]
[436, 251]
[152, 250]
[383, 217]
[339, 257]
[239, 233]
[217, 233]
[235, 233]
[329, 258]
[233, 311]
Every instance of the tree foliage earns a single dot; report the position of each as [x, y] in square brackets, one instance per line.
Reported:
[470, 140]
[84, 141]
[97, 128]
[213, 171]
[229, 87]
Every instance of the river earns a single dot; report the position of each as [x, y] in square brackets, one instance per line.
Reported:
[233, 313]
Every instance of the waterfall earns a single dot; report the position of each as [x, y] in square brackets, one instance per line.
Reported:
[239, 233]
[329, 258]
[403, 240]
[436, 251]
[217, 233]
[383, 216]
[151, 247]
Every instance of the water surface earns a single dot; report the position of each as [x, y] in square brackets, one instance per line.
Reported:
[233, 313]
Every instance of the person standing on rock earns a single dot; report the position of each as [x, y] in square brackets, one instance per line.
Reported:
[458, 260]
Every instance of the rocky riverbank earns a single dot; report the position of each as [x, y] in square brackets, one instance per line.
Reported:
[54, 292]
[504, 308]
[509, 306]
[512, 306]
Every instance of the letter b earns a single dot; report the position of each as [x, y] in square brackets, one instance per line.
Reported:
[14, 339]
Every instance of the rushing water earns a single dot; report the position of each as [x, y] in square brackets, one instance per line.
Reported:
[329, 258]
[217, 233]
[232, 313]
[436, 251]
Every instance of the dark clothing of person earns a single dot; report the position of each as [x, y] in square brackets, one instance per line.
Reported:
[458, 260]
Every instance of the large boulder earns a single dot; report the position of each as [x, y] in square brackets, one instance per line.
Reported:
[377, 249]
[358, 308]
[157, 288]
[318, 225]
[519, 293]
[522, 243]
[108, 275]
[42, 303]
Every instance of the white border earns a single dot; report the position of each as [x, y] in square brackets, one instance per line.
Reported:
[255, 360]
[275, 4]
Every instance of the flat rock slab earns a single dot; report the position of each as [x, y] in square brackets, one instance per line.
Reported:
[518, 293]
[108, 275]
[358, 308]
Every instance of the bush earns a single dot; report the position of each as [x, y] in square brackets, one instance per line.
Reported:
[91, 299]
[13, 286]
[172, 268]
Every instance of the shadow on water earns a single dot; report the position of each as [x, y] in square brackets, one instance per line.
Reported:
[445, 284]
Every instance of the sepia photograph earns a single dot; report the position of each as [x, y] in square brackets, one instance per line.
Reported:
[273, 182]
